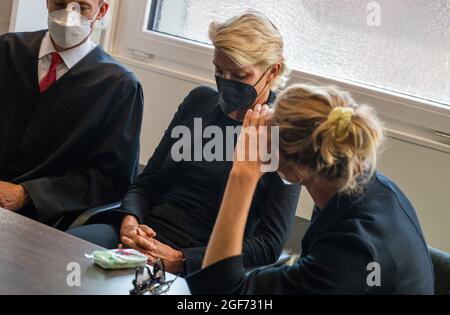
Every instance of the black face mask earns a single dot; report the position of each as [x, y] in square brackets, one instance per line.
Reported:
[235, 95]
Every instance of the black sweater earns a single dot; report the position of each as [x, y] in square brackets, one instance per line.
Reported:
[338, 251]
[181, 200]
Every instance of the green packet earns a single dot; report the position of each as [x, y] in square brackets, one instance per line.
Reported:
[118, 259]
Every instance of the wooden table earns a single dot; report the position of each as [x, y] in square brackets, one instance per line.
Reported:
[34, 259]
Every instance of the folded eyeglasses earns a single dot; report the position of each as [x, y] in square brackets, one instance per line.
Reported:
[151, 282]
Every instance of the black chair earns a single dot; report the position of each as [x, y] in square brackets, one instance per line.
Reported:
[88, 215]
[441, 265]
[285, 257]
[70, 222]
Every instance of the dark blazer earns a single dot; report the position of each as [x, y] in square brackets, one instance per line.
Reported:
[188, 229]
[371, 244]
[75, 146]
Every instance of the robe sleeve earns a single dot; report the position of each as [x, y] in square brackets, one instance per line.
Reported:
[108, 167]
[277, 205]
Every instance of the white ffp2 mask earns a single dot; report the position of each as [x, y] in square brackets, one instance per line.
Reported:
[68, 27]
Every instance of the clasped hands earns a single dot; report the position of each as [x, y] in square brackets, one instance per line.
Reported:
[142, 238]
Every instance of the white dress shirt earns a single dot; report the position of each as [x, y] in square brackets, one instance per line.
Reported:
[70, 57]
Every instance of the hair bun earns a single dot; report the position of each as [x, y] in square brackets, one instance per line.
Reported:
[342, 117]
[323, 129]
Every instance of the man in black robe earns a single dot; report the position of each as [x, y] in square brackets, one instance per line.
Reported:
[70, 119]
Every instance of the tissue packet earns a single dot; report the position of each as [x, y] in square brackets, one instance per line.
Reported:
[118, 259]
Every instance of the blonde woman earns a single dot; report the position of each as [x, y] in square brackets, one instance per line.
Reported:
[364, 236]
[169, 212]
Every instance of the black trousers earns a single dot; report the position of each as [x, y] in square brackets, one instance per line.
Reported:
[104, 235]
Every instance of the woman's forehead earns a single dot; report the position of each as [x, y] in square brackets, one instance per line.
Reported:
[224, 62]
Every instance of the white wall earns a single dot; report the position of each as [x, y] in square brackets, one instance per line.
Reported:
[5, 15]
[163, 94]
[424, 175]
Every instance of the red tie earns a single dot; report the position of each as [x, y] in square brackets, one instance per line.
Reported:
[50, 77]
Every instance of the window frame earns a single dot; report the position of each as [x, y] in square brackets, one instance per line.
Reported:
[407, 117]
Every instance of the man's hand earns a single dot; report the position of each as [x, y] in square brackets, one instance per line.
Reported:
[13, 197]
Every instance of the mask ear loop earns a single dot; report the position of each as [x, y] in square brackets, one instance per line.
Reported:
[94, 19]
[260, 81]
[261, 78]
[96, 14]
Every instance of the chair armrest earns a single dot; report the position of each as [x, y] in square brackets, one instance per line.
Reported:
[89, 214]
[441, 266]
[284, 258]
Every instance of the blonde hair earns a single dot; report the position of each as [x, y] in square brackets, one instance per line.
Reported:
[251, 39]
[311, 134]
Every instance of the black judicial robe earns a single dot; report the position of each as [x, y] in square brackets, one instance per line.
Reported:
[76, 145]
[338, 251]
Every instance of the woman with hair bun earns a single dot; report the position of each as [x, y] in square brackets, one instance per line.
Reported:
[364, 237]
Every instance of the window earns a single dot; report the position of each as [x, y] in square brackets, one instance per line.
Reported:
[401, 46]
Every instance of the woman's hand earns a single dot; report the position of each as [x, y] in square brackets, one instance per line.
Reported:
[254, 135]
[136, 236]
[173, 259]
[154, 249]
[228, 235]
[132, 229]
[142, 239]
